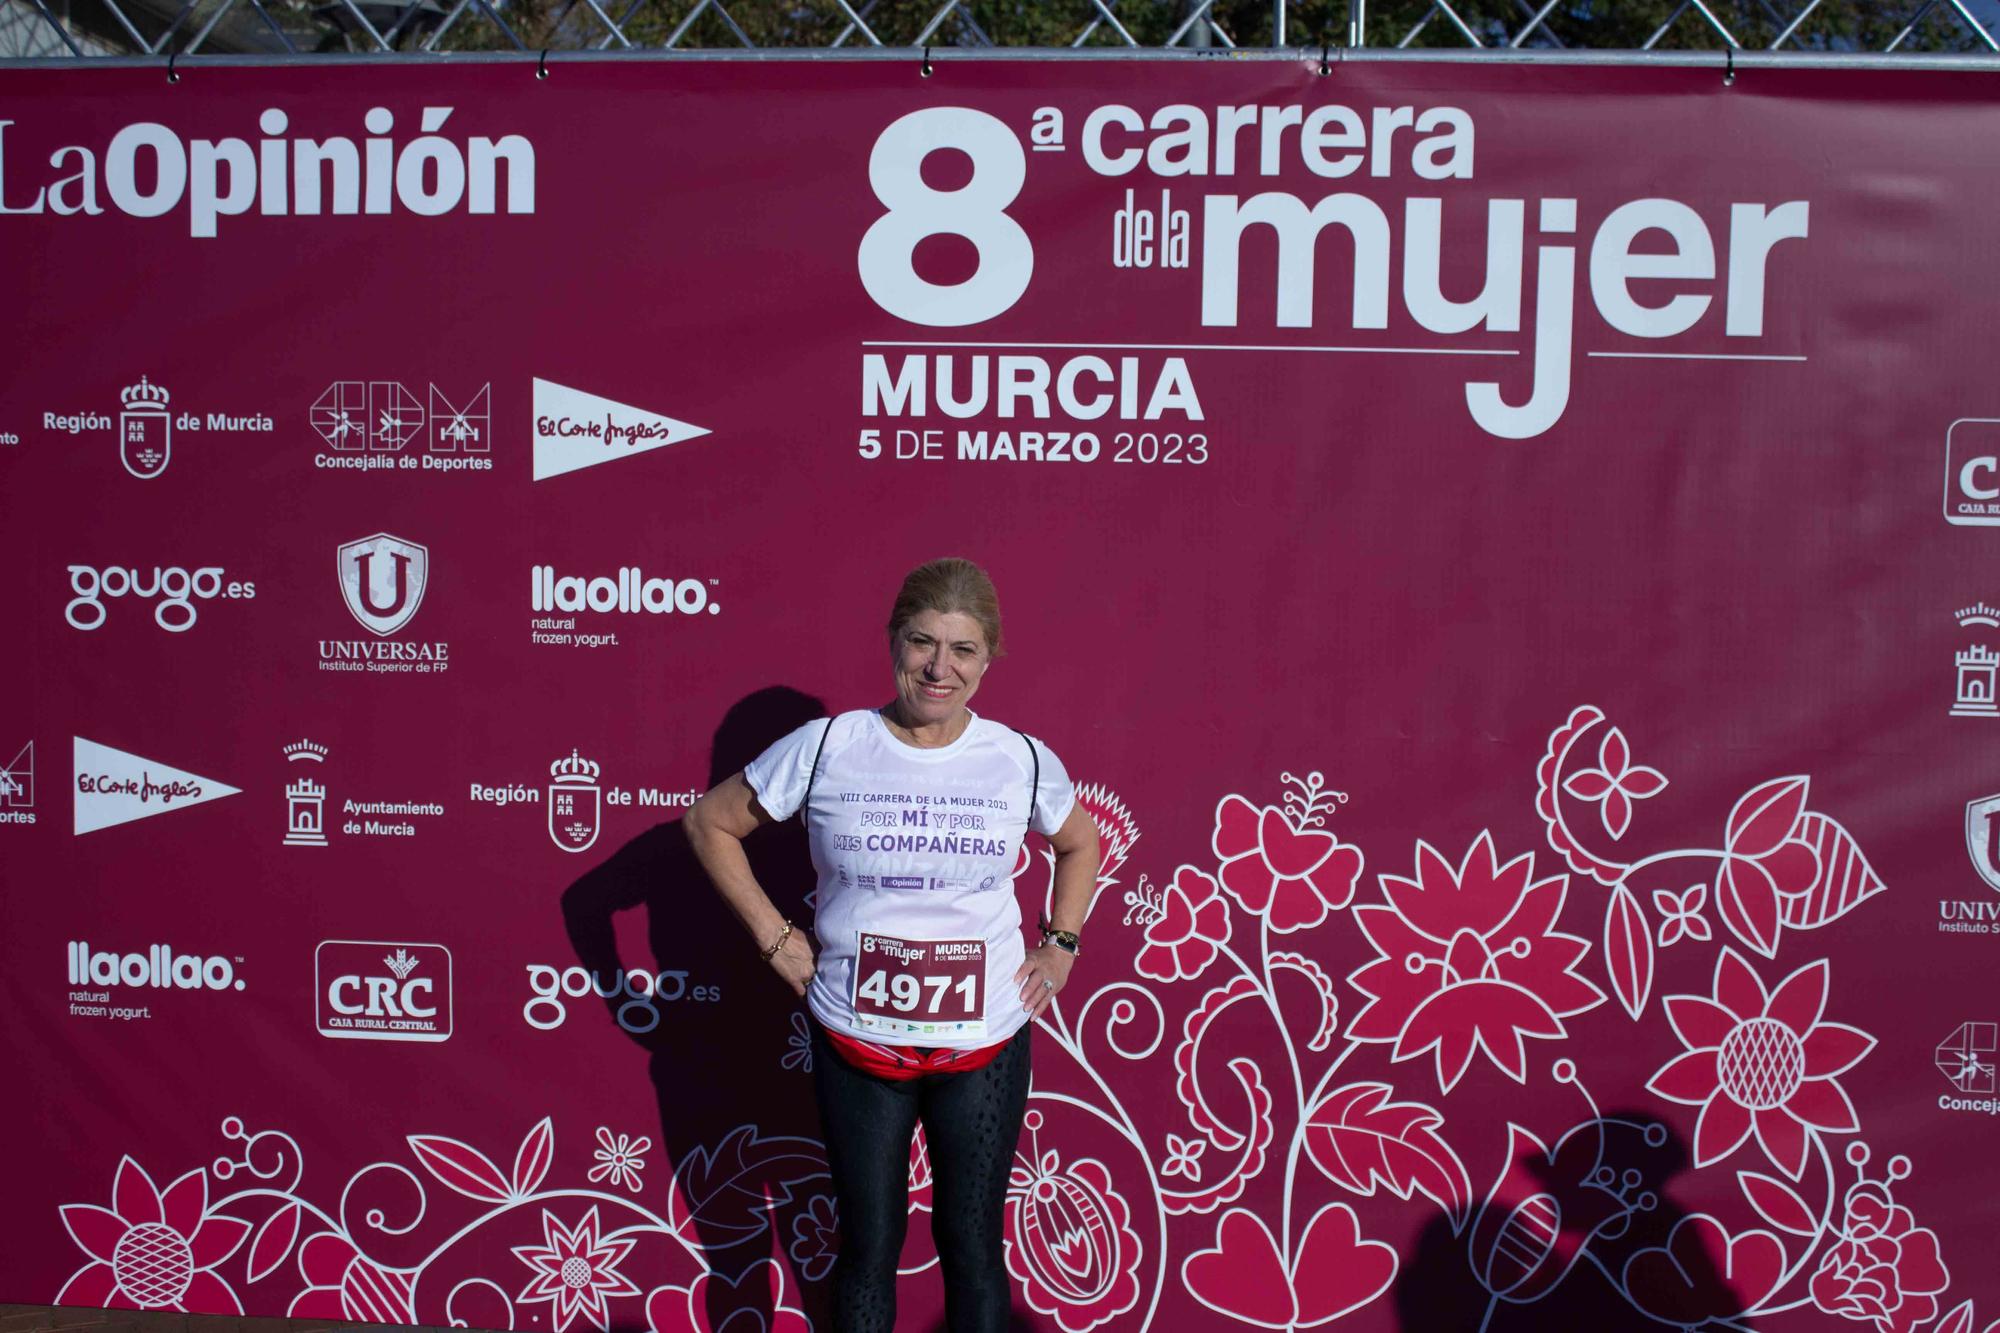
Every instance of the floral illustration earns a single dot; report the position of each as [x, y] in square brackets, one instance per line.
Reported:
[815, 1238]
[1615, 783]
[1761, 1062]
[153, 1249]
[1680, 915]
[1469, 960]
[576, 1271]
[1222, 1114]
[1191, 924]
[1884, 1269]
[619, 1160]
[1278, 862]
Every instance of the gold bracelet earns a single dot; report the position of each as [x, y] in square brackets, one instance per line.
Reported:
[783, 935]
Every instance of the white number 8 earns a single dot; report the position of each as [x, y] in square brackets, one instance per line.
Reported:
[976, 211]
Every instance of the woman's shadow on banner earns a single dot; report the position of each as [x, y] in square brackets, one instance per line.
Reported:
[724, 1037]
[1595, 1249]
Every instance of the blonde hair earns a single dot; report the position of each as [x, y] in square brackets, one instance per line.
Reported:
[946, 586]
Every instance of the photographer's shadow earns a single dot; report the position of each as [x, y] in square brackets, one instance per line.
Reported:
[1586, 1239]
[725, 1038]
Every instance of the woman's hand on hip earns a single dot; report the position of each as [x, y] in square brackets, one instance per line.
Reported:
[1042, 976]
[794, 962]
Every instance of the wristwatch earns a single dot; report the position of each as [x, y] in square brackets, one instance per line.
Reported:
[1066, 940]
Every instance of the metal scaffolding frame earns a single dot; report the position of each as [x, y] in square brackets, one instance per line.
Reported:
[94, 30]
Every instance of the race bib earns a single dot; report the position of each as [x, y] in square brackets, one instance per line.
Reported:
[920, 988]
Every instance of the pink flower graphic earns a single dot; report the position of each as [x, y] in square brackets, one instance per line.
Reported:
[575, 1271]
[816, 1238]
[749, 1308]
[1070, 1242]
[152, 1250]
[341, 1284]
[1279, 865]
[1193, 923]
[1469, 959]
[1184, 1157]
[1761, 1062]
[1680, 914]
[1615, 783]
[620, 1159]
[1885, 1267]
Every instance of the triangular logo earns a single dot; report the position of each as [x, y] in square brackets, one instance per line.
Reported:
[113, 787]
[575, 430]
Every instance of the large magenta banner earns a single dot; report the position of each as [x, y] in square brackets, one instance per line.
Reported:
[1508, 554]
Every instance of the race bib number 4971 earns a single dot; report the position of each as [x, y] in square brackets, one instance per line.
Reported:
[920, 987]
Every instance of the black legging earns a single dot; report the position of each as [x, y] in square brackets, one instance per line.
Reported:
[972, 1122]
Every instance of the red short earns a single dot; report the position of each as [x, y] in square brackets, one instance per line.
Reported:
[908, 1062]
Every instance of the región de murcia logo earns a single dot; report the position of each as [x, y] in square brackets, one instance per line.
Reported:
[575, 803]
[145, 431]
[146, 426]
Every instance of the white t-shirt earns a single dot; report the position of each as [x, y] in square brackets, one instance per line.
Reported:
[919, 932]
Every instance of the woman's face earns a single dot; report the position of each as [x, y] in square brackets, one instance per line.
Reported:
[939, 657]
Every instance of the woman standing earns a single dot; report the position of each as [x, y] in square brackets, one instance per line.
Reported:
[922, 988]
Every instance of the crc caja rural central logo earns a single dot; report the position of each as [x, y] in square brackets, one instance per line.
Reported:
[374, 991]
[1972, 473]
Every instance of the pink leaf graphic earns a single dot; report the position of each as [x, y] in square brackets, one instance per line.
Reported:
[1335, 1271]
[1845, 879]
[531, 1163]
[1747, 898]
[1614, 754]
[461, 1166]
[1359, 1138]
[1763, 818]
[1588, 785]
[1628, 950]
[1116, 829]
[274, 1240]
[1958, 1321]
[1244, 1276]
[1778, 1204]
[1643, 782]
[730, 1188]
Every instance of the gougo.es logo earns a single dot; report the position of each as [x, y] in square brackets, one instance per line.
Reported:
[177, 588]
[637, 994]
